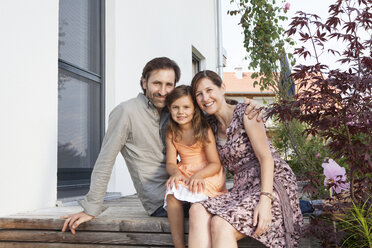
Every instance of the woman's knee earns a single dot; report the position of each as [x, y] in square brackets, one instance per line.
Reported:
[196, 210]
[218, 225]
[197, 213]
[221, 228]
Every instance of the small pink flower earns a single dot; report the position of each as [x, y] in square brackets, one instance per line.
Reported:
[317, 155]
[335, 176]
[287, 6]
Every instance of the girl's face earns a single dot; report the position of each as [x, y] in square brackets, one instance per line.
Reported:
[209, 96]
[182, 110]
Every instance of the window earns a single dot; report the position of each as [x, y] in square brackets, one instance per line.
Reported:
[195, 65]
[80, 93]
[198, 61]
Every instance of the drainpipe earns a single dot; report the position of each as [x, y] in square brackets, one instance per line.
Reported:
[219, 39]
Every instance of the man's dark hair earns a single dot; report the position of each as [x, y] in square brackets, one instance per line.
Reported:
[160, 63]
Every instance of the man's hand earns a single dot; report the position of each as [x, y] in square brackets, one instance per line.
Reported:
[74, 220]
[254, 109]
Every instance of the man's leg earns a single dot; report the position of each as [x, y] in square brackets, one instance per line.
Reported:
[186, 209]
[160, 212]
[199, 227]
[176, 221]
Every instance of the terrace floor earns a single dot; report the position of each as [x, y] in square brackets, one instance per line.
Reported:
[124, 224]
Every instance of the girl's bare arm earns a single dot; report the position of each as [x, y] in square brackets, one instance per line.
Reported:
[214, 164]
[171, 164]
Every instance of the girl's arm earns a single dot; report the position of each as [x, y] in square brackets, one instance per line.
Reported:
[214, 165]
[171, 163]
[257, 136]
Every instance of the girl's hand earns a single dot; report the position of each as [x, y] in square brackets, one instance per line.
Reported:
[174, 179]
[262, 212]
[196, 183]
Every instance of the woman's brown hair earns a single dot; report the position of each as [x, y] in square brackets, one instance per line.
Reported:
[211, 75]
[199, 123]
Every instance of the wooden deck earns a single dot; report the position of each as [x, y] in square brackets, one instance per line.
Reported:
[124, 224]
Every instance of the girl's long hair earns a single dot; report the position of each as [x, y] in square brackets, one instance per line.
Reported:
[199, 122]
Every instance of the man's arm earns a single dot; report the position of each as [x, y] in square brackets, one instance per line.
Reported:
[115, 138]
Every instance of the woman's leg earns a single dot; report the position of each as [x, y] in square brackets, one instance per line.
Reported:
[199, 227]
[176, 221]
[223, 234]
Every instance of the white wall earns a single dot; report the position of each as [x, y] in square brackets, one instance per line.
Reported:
[28, 104]
[136, 31]
[141, 30]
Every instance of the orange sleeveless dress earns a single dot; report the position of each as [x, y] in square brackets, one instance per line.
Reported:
[193, 159]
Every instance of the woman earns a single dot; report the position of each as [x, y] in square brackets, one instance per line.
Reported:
[263, 203]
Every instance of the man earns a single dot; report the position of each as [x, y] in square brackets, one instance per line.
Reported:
[137, 130]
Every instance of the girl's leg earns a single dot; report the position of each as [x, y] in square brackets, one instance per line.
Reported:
[224, 235]
[199, 227]
[176, 221]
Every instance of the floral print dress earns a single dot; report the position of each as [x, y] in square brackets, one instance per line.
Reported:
[237, 206]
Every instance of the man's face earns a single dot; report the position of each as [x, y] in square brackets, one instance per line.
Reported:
[158, 85]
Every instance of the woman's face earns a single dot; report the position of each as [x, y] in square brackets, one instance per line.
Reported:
[209, 96]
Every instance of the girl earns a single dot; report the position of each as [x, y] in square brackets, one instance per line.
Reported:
[199, 175]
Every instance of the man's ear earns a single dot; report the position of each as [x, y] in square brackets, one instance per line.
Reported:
[144, 83]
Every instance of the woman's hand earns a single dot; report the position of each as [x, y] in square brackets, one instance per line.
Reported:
[262, 213]
[196, 183]
[174, 179]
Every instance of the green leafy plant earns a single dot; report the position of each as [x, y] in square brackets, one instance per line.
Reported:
[357, 223]
[313, 150]
[264, 42]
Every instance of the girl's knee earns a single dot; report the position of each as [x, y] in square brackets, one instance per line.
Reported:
[172, 201]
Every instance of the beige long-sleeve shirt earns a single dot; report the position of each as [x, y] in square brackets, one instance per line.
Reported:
[138, 131]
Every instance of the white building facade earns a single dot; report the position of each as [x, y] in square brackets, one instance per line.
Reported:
[64, 66]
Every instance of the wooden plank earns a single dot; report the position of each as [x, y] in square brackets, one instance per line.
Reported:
[150, 224]
[125, 222]
[65, 245]
[245, 243]
[102, 238]
[241, 244]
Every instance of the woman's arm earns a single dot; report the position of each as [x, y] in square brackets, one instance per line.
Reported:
[257, 136]
[171, 163]
[214, 165]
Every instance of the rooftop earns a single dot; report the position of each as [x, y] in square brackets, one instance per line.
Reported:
[241, 82]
